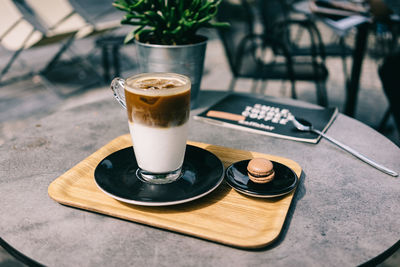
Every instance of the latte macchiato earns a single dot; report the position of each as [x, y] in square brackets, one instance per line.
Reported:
[158, 106]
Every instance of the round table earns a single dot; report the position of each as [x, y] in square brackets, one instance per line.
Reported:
[344, 212]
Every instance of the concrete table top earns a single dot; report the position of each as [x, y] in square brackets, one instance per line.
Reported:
[344, 212]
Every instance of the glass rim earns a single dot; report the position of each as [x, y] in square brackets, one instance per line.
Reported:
[164, 75]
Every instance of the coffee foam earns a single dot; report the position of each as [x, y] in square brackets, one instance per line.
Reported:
[157, 86]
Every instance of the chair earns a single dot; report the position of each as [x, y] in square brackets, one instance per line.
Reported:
[66, 15]
[266, 56]
[74, 16]
[388, 72]
[17, 33]
[336, 47]
[27, 24]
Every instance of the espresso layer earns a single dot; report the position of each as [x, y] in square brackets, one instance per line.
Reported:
[158, 111]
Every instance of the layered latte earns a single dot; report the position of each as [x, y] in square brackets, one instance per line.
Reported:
[158, 106]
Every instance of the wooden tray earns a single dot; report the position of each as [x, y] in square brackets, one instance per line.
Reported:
[223, 216]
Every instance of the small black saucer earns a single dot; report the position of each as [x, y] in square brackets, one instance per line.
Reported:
[284, 182]
[116, 176]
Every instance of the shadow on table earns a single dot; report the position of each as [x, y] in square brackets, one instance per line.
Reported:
[298, 195]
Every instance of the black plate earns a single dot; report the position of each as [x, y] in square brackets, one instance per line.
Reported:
[284, 182]
[116, 176]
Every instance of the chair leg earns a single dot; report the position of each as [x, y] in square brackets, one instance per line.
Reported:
[384, 120]
[10, 63]
[254, 87]
[344, 63]
[117, 68]
[15, 55]
[263, 88]
[293, 88]
[232, 84]
[322, 96]
[57, 56]
[106, 64]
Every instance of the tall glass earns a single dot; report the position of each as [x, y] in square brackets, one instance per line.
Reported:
[158, 106]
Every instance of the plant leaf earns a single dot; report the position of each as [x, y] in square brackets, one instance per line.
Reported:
[168, 21]
[129, 37]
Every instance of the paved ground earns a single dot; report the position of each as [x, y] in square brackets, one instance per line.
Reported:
[29, 99]
[23, 102]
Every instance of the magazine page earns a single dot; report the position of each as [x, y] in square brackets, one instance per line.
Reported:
[340, 15]
[338, 8]
[267, 117]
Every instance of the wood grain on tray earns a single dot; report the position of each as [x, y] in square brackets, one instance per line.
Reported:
[223, 216]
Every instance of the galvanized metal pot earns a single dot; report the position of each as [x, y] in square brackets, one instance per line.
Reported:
[183, 59]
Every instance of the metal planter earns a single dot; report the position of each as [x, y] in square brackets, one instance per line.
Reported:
[183, 59]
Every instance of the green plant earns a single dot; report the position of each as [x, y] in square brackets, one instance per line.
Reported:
[168, 22]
